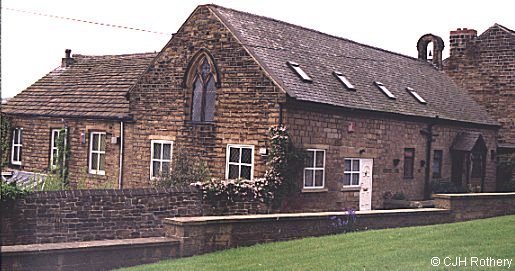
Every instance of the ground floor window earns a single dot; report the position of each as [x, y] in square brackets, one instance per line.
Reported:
[240, 162]
[54, 150]
[17, 145]
[437, 163]
[97, 153]
[161, 158]
[409, 163]
[351, 172]
[314, 168]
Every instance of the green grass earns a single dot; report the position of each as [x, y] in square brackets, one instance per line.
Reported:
[392, 249]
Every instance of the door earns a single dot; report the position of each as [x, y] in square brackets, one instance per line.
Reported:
[457, 168]
[365, 179]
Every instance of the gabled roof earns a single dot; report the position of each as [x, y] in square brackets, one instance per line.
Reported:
[466, 141]
[273, 43]
[92, 87]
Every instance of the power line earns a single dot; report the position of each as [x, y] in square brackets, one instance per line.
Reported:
[86, 21]
[297, 50]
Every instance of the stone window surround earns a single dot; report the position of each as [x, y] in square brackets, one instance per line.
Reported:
[352, 172]
[54, 135]
[17, 133]
[227, 163]
[160, 160]
[96, 171]
[314, 168]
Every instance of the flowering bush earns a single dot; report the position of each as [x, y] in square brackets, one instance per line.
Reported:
[272, 186]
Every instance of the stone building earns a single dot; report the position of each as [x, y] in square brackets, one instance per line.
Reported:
[372, 122]
[484, 65]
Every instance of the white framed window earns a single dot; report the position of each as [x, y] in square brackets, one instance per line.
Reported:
[351, 172]
[54, 150]
[97, 153]
[161, 158]
[240, 162]
[17, 146]
[314, 168]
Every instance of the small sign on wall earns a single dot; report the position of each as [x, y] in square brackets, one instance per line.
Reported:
[351, 126]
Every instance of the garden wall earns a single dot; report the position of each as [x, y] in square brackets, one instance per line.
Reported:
[84, 215]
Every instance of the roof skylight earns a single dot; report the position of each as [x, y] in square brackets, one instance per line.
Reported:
[385, 90]
[415, 94]
[344, 80]
[296, 67]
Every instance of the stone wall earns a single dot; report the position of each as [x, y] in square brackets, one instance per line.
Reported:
[83, 215]
[380, 137]
[198, 235]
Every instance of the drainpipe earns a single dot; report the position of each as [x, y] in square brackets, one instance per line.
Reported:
[120, 171]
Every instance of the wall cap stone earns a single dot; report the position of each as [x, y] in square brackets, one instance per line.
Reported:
[201, 220]
[474, 195]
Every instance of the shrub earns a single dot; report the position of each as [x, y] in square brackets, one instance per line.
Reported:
[11, 191]
[185, 170]
[446, 186]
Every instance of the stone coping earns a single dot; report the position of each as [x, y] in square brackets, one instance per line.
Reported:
[200, 220]
[37, 248]
[474, 195]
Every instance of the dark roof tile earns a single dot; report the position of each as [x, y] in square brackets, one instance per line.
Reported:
[93, 87]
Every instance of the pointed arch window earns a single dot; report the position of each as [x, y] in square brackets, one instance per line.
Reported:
[204, 90]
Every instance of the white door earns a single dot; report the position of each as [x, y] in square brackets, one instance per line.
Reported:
[365, 179]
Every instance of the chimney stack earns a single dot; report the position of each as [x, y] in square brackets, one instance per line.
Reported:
[67, 60]
[459, 39]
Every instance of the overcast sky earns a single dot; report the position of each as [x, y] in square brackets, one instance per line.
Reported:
[33, 45]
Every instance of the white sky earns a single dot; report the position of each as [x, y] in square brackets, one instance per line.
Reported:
[32, 46]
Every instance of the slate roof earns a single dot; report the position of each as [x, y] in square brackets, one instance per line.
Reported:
[466, 141]
[92, 87]
[273, 43]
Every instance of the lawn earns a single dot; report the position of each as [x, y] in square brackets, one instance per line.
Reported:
[392, 249]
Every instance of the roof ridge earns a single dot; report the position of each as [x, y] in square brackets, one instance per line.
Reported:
[505, 28]
[119, 55]
[311, 30]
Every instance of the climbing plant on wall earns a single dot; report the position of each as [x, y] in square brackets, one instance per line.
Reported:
[278, 181]
[5, 139]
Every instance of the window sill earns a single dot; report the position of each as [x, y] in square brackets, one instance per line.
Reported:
[350, 189]
[314, 190]
[206, 123]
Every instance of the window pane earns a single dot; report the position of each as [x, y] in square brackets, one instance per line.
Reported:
[101, 166]
[167, 148]
[55, 137]
[102, 142]
[166, 169]
[233, 172]
[20, 150]
[16, 153]
[210, 100]
[197, 100]
[155, 169]
[319, 177]
[308, 177]
[355, 178]
[355, 165]
[54, 157]
[246, 155]
[15, 136]
[20, 136]
[347, 165]
[319, 159]
[234, 154]
[157, 151]
[346, 179]
[94, 145]
[245, 172]
[409, 158]
[94, 161]
[310, 156]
